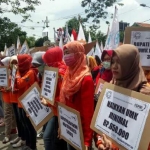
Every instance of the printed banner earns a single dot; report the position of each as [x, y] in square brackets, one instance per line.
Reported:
[12, 51]
[70, 126]
[31, 102]
[13, 76]
[140, 37]
[49, 84]
[122, 116]
[24, 49]
[4, 77]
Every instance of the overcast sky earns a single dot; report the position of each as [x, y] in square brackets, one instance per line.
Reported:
[56, 10]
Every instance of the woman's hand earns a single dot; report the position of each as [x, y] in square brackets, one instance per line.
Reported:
[106, 144]
[44, 102]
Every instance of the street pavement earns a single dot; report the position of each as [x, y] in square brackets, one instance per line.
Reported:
[40, 145]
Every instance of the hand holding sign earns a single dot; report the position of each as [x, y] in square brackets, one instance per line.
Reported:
[44, 102]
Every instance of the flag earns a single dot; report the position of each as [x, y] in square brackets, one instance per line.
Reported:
[67, 36]
[113, 38]
[24, 49]
[18, 43]
[98, 52]
[81, 36]
[91, 52]
[6, 51]
[55, 36]
[61, 42]
[74, 34]
[102, 48]
[11, 50]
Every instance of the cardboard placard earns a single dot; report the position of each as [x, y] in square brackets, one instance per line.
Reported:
[38, 113]
[99, 86]
[89, 46]
[70, 126]
[49, 84]
[24, 49]
[123, 115]
[13, 76]
[4, 77]
[140, 37]
[12, 50]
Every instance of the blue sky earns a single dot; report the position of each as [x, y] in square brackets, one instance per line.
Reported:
[57, 9]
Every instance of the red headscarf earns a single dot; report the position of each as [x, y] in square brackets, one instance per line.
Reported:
[108, 52]
[53, 58]
[24, 63]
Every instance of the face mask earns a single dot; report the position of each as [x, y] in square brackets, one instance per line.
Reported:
[69, 59]
[106, 65]
[41, 69]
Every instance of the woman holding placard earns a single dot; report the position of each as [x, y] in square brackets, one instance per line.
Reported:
[53, 58]
[78, 88]
[9, 117]
[127, 73]
[27, 77]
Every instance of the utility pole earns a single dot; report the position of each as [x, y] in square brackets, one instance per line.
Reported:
[46, 24]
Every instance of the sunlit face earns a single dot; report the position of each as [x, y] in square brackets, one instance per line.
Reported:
[116, 67]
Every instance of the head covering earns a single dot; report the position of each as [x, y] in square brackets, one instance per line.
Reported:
[133, 76]
[12, 59]
[108, 52]
[74, 75]
[92, 62]
[24, 63]
[37, 58]
[98, 61]
[53, 58]
[6, 61]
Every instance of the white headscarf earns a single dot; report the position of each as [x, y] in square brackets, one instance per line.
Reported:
[6, 61]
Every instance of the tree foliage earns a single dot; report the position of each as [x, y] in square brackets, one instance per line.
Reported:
[39, 42]
[97, 10]
[22, 7]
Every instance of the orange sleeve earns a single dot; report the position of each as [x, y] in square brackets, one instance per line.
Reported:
[27, 79]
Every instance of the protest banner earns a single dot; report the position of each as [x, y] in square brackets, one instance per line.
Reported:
[123, 115]
[11, 51]
[49, 84]
[13, 76]
[31, 102]
[140, 37]
[24, 49]
[70, 126]
[99, 86]
[4, 77]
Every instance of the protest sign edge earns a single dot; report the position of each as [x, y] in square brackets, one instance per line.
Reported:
[46, 119]
[79, 121]
[52, 102]
[144, 143]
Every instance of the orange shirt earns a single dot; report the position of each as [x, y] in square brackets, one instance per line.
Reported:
[23, 83]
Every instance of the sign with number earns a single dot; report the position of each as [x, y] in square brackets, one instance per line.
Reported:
[140, 37]
[11, 51]
[49, 84]
[13, 76]
[24, 49]
[31, 102]
[123, 115]
[4, 81]
[70, 126]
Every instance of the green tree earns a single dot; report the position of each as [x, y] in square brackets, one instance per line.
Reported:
[97, 10]
[22, 7]
[31, 41]
[39, 42]
[9, 33]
